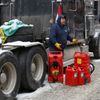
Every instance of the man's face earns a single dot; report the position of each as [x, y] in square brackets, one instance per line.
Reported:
[63, 21]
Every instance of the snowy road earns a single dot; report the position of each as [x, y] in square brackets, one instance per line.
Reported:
[58, 91]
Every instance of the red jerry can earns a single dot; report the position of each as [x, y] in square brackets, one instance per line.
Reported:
[81, 76]
[71, 76]
[87, 75]
[81, 59]
[55, 66]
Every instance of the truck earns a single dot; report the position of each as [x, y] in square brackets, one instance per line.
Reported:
[23, 57]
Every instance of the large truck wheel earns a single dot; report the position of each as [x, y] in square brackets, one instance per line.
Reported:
[33, 63]
[9, 74]
[5, 97]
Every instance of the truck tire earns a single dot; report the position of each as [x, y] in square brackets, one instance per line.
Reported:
[9, 74]
[33, 63]
[6, 97]
[97, 49]
[3, 96]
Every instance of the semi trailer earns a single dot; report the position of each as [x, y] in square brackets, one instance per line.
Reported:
[23, 57]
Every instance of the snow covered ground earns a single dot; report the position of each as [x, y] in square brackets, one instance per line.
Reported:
[58, 91]
[47, 87]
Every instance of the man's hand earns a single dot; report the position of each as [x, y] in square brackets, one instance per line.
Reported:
[58, 46]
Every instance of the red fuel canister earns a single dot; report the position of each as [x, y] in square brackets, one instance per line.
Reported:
[82, 63]
[87, 75]
[55, 66]
[71, 76]
[81, 76]
[81, 59]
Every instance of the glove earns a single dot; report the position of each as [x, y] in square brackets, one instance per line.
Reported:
[75, 41]
[58, 46]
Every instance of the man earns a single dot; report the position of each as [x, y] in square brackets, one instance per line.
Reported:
[59, 35]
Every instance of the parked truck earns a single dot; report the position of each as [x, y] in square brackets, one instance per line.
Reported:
[23, 57]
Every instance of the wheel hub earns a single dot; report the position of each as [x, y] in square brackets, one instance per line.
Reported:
[37, 67]
[3, 78]
[8, 78]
